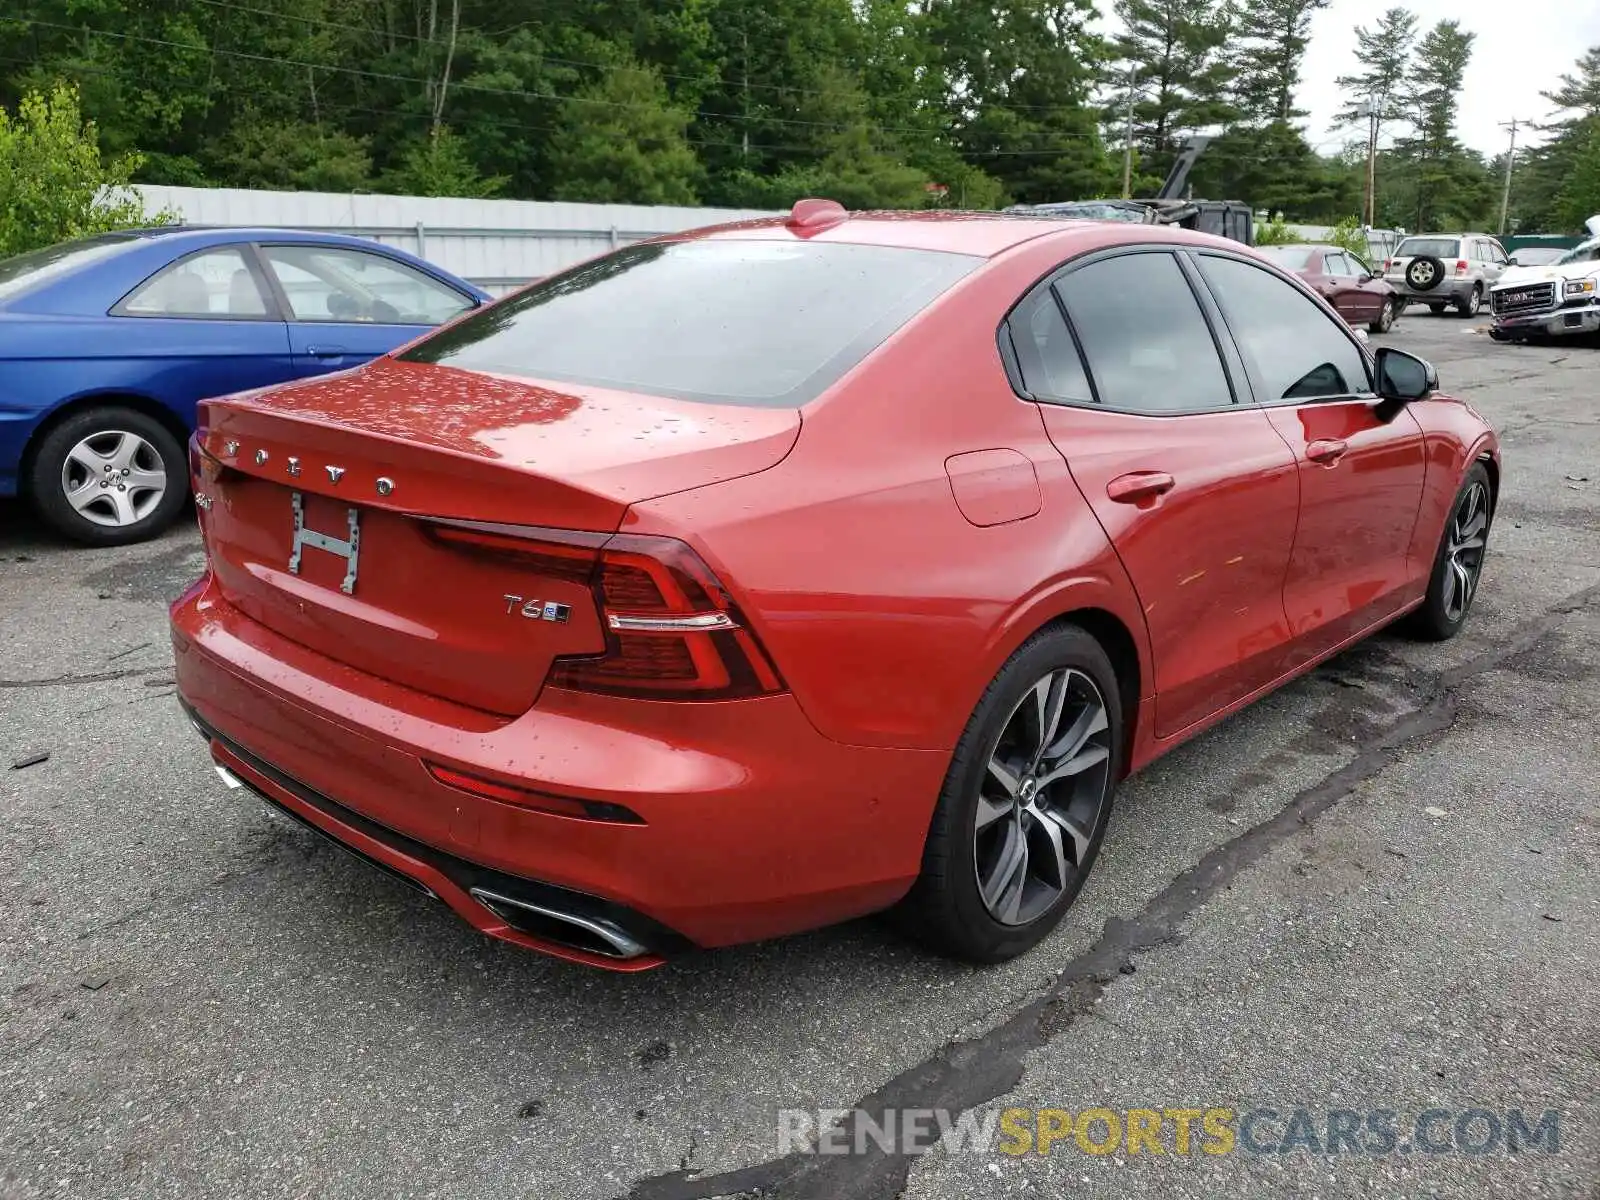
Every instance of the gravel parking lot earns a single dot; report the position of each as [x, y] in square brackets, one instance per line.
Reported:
[1377, 889]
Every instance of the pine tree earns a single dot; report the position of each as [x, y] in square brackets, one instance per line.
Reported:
[1269, 44]
[1544, 181]
[622, 142]
[1175, 48]
[1385, 51]
[1437, 156]
[437, 164]
[1580, 91]
[1579, 197]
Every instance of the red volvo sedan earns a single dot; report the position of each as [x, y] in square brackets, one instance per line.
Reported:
[752, 579]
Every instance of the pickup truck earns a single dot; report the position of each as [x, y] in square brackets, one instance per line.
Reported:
[1559, 299]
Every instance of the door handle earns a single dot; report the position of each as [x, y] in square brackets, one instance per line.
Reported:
[326, 351]
[1138, 486]
[1326, 451]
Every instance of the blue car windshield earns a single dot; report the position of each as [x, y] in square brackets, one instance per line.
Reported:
[22, 271]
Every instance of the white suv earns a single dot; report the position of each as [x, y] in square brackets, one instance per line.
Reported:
[1444, 269]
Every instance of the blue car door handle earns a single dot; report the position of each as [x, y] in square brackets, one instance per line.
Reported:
[326, 351]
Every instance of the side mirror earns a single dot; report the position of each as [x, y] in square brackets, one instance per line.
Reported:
[1404, 377]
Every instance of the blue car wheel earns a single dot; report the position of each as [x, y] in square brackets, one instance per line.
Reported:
[109, 477]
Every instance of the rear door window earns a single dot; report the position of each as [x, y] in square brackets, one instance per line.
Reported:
[763, 323]
[1147, 342]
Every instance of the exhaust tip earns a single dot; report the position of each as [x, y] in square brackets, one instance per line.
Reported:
[592, 934]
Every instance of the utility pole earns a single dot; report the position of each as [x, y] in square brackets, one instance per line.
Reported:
[1511, 158]
[1127, 140]
[744, 140]
[1369, 108]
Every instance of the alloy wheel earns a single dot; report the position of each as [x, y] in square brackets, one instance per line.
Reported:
[1042, 796]
[113, 478]
[1465, 540]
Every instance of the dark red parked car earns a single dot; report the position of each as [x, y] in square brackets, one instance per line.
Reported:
[1358, 293]
[748, 580]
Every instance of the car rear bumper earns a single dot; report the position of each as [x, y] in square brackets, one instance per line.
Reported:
[750, 823]
[1448, 292]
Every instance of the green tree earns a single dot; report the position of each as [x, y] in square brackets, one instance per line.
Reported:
[1438, 158]
[1018, 78]
[54, 182]
[293, 155]
[622, 141]
[437, 164]
[1543, 193]
[1385, 54]
[1176, 48]
[1269, 46]
[1579, 197]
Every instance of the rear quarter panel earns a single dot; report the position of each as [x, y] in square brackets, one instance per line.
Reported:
[887, 611]
[1455, 436]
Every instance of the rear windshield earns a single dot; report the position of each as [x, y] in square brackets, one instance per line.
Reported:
[25, 270]
[1431, 247]
[764, 324]
[1292, 258]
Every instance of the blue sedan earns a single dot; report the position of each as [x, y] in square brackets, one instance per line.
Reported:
[107, 345]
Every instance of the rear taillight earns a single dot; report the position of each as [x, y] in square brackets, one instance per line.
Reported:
[1461, 266]
[672, 630]
[1387, 263]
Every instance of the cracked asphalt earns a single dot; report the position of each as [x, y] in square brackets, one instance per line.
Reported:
[1377, 889]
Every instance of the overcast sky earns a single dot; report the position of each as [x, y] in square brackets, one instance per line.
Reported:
[1522, 46]
[1521, 49]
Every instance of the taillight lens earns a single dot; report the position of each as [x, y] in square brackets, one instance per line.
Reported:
[1461, 266]
[672, 630]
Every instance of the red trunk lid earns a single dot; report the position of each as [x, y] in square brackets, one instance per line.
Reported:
[397, 448]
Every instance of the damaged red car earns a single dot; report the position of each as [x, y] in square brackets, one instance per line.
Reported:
[748, 580]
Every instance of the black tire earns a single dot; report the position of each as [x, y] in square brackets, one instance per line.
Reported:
[1424, 273]
[1444, 611]
[1437, 309]
[1386, 318]
[120, 515]
[946, 909]
[1474, 301]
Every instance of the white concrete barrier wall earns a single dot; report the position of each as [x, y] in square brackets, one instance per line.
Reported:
[497, 244]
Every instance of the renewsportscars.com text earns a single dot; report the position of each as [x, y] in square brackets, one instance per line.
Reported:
[1210, 1130]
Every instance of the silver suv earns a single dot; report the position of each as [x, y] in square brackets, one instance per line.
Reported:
[1442, 269]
